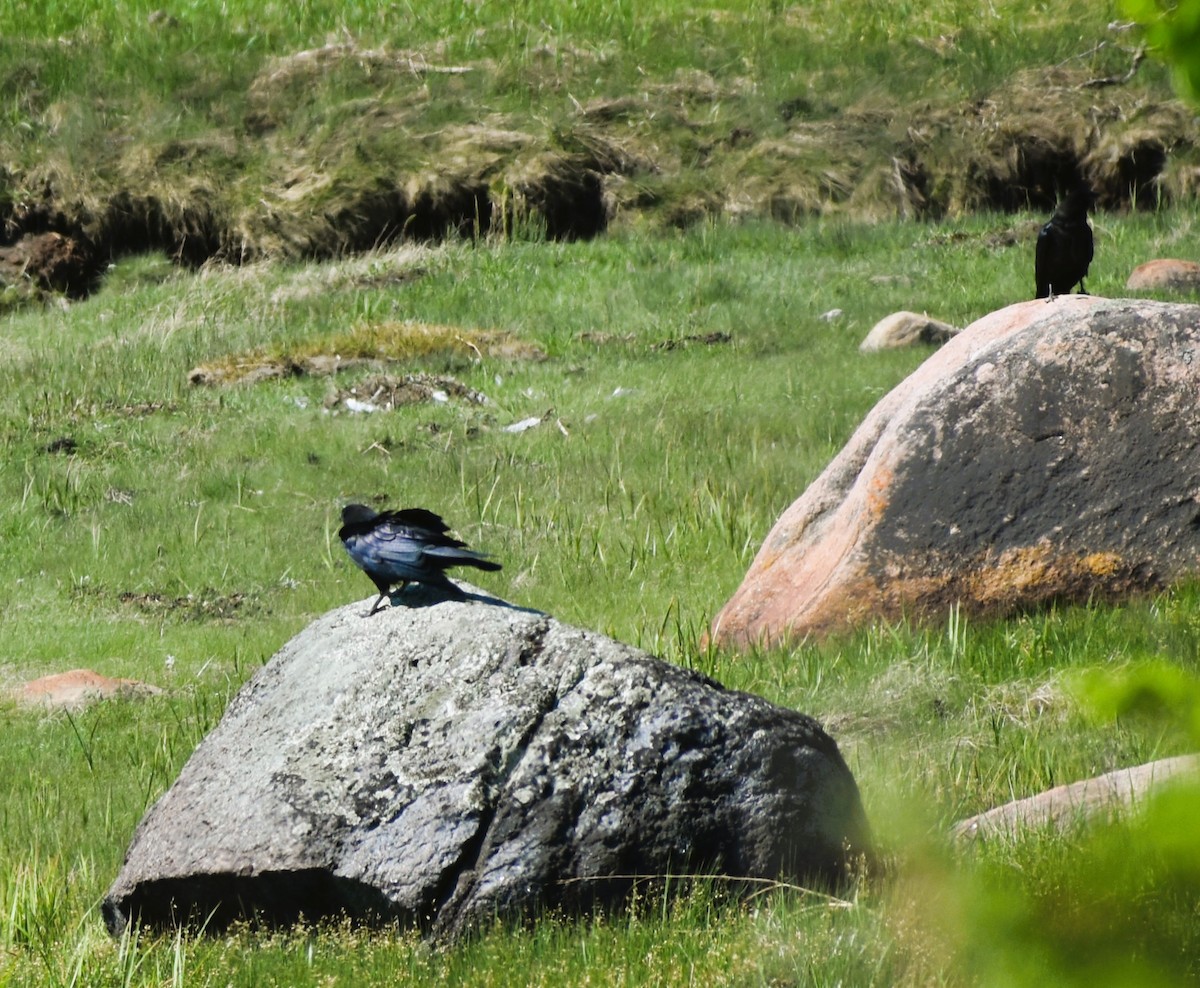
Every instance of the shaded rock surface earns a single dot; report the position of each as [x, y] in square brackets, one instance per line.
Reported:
[1102, 796]
[902, 329]
[1165, 273]
[443, 762]
[1049, 451]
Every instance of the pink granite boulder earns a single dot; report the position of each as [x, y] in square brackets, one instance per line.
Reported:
[1050, 451]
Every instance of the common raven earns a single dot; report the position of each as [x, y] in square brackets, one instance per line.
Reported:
[408, 546]
[1064, 247]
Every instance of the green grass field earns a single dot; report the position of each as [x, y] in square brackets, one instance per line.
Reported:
[690, 390]
[192, 530]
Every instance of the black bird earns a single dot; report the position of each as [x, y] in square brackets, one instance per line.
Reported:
[408, 546]
[1064, 247]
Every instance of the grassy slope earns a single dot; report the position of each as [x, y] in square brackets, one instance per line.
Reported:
[199, 121]
[191, 532]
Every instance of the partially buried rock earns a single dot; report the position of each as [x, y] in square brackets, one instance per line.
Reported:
[447, 761]
[1101, 798]
[78, 688]
[1167, 274]
[903, 329]
[1048, 452]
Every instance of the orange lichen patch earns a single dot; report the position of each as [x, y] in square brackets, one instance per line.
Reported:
[1102, 564]
[1016, 571]
[879, 492]
[78, 688]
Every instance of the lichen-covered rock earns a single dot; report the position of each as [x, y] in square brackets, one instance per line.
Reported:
[1049, 451]
[444, 761]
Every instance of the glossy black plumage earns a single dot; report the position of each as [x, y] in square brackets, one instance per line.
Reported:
[403, 547]
[1064, 246]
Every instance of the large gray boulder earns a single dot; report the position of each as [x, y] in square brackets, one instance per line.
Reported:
[1050, 451]
[444, 762]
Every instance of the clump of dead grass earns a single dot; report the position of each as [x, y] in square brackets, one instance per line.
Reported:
[364, 344]
[372, 270]
[399, 341]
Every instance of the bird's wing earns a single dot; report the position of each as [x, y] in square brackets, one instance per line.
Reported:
[1049, 242]
[417, 518]
[392, 544]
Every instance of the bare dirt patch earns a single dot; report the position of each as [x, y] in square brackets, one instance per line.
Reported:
[384, 392]
[695, 339]
[602, 339]
[206, 605]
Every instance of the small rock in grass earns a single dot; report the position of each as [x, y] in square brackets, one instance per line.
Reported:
[525, 424]
[78, 688]
[1167, 274]
[903, 329]
[1102, 797]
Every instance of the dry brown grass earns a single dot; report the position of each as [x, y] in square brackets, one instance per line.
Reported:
[348, 147]
[367, 344]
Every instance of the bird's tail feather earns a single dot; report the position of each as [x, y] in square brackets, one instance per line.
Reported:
[454, 556]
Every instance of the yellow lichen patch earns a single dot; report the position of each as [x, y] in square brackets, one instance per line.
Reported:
[1102, 564]
[1030, 575]
[1016, 571]
[1027, 576]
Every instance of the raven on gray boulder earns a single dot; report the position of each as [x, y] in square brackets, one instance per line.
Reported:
[406, 546]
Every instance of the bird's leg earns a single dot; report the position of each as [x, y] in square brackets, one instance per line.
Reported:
[388, 594]
[1082, 290]
[1050, 294]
